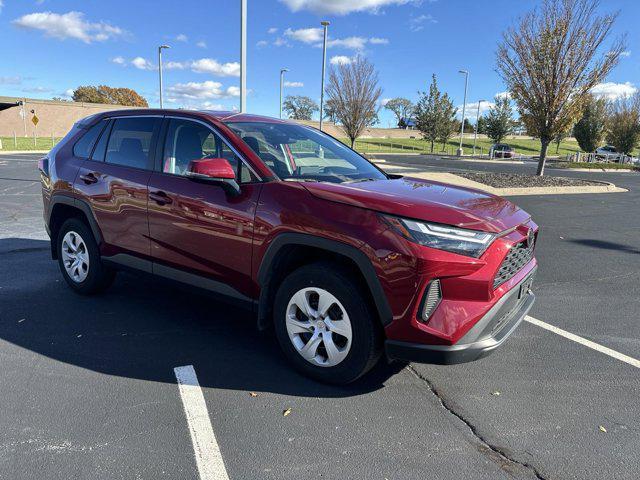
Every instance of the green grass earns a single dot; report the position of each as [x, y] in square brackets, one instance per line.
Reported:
[597, 165]
[417, 145]
[26, 143]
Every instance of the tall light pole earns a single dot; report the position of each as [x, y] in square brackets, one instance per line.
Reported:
[475, 135]
[324, 24]
[282, 70]
[464, 107]
[160, 48]
[243, 55]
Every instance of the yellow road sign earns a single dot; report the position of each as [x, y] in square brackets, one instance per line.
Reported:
[35, 120]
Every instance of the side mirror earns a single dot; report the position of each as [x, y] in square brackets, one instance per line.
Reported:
[215, 170]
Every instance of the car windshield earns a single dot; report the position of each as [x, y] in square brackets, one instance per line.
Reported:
[297, 152]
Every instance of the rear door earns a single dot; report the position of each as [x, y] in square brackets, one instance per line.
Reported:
[114, 180]
[195, 226]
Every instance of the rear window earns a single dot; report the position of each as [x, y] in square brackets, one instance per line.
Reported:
[83, 147]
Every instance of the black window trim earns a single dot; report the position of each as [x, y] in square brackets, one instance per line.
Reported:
[95, 142]
[162, 142]
[153, 147]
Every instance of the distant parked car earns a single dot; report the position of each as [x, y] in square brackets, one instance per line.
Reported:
[608, 152]
[501, 150]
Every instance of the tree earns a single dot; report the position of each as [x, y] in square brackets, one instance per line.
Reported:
[299, 107]
[559, 137]
[435, 114]
[590, 129]
[499, 122]
[330, 111]
[109, 95]
[468, 128]
[482, 125]
[623, 124]
[355, 92]
[549, 62]
[402, 108]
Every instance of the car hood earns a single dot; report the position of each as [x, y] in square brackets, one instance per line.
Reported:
[426, 200]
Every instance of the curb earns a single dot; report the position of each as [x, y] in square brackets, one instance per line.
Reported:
[479, 160]
[14, 152]
[594, 170]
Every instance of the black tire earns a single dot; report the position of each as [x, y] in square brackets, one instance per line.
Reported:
[99, 276]
[366, 342]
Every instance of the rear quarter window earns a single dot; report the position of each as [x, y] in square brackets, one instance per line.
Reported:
[84, 145]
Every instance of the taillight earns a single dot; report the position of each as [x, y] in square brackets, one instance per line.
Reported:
[43, 166]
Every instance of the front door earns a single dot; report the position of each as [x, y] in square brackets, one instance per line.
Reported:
[195, 226]
[115, 178]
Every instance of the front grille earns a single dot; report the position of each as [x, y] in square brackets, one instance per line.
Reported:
[519, 255]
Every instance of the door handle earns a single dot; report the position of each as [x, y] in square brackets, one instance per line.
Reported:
[160, 198]
[89, 178]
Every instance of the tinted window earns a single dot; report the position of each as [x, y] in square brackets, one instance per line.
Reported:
[83, 147]
[101, 147]
[187, 141]
[130, 141]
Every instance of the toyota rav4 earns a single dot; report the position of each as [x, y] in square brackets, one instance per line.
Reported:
[345, 262]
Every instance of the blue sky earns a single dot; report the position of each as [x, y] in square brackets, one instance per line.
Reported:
[52, 46]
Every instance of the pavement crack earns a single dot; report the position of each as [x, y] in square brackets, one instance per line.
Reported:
[499, 455]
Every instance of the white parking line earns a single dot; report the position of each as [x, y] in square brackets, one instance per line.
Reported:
[208, 456]
[583, 341]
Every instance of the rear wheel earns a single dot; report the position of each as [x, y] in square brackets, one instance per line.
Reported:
[79, 259]
[325, 325]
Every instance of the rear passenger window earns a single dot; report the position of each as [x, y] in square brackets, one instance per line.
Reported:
[131, 140]
[101, 147]
[82, 148]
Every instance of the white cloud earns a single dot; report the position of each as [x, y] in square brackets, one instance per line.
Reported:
[272, 30]
[201, 44]
[417, 23]
[379, 41]
[340, 60]
[305, 35]
[472, 109]
[293, 84]
[181, 37]
[119, 61]
[1, 5]
[209, 65]
[351, 43]
[142, 63]
[68, 25]
[614, 91]
[13, 80]
[280, 42]
[262, 43]
[200, 91]
[342, 7]
[626, 53]
[503, 95]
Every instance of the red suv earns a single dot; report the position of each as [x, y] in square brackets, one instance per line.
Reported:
[344, 261]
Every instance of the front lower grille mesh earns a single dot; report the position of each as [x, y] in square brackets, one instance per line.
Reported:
[519, 255]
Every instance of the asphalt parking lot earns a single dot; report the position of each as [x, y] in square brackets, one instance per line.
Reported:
[89, 388]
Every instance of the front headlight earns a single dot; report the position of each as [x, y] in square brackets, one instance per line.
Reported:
[443, 237]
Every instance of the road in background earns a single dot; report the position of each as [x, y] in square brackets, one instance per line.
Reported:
[90, 390]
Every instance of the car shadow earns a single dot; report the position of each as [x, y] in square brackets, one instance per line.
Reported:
[603, 244]
[143, 328]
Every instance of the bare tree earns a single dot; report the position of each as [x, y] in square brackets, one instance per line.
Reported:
[299, 107]
[549, 62]
[353, 90]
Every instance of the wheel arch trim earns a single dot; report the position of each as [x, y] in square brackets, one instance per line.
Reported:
[361, 261]
[81, 205]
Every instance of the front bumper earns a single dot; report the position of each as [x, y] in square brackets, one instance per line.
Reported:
[483, 338]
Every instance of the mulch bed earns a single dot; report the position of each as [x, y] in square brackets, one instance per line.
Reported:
[512, 180]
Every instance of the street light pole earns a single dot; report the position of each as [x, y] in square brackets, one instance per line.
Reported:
[464, 107]
[282, 70]
[160, 48]
[475, 135]
[324, 24]
[243, 55]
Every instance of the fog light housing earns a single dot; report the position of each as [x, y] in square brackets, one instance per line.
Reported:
[431, 299]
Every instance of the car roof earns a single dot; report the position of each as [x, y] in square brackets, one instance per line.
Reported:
[223, 116]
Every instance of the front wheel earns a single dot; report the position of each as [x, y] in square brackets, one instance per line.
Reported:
[325, 324]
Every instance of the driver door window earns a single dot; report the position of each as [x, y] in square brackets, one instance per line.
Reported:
[187, 141]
